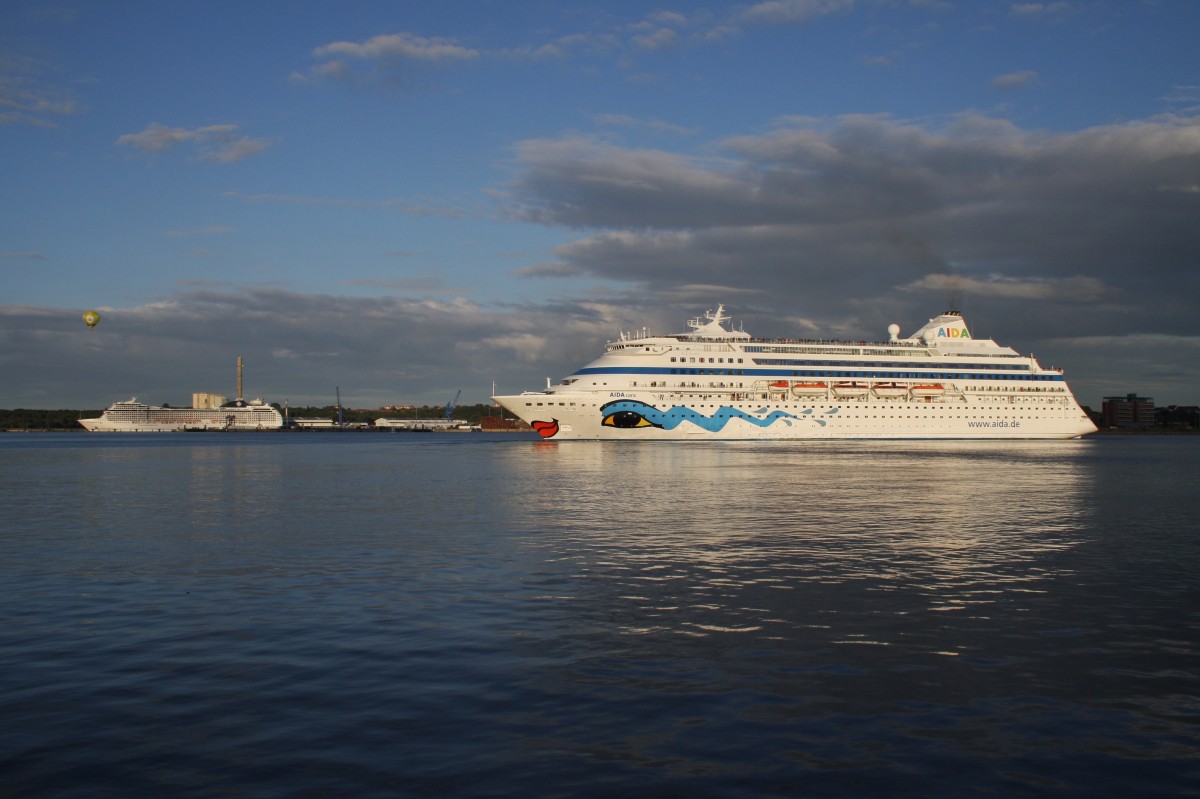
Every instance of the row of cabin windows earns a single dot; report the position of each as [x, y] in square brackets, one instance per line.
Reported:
[681, 359]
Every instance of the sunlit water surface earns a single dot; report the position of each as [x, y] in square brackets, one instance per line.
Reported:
[361, 615]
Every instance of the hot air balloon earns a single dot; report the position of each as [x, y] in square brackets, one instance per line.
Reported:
[91, 319]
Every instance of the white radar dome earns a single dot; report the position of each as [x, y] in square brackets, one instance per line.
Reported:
[894, 331]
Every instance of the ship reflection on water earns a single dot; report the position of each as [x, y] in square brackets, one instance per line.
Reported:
[958, 521]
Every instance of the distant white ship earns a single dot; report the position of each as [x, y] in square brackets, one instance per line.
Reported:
[131, 416]
[717, 383]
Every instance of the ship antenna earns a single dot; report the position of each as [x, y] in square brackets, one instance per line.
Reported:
[239, 382]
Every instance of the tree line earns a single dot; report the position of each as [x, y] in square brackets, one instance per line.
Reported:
[37, 419]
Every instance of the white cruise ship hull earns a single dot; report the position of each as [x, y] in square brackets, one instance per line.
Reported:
[719, 384]
[564, 416]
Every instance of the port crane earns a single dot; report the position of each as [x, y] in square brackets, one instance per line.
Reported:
[452, 404]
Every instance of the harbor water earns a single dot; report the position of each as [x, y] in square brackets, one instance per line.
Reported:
[489, 615]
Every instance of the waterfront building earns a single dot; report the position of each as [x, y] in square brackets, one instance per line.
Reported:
[1129, 411]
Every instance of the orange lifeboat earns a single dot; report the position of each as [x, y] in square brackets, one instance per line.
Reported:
[809, 389]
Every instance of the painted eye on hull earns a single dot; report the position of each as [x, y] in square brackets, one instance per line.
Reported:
[627, 419]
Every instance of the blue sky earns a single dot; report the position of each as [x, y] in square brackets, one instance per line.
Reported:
[408, 198]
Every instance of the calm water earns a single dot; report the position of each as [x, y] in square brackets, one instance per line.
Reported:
[360, 615]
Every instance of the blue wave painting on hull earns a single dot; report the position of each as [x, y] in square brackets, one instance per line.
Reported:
[632, 414]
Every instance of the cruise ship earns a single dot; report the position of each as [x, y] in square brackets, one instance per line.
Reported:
[714, 382]
[131, 416]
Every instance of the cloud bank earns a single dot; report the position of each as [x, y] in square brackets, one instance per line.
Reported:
[859, 206]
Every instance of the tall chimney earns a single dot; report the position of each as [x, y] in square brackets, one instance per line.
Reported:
[239, 396]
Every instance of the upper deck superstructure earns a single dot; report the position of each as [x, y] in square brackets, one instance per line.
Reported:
[716, 382]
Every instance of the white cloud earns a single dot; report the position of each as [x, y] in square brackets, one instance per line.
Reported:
[156, 138]
[399, 45]
[1015, 80]
[658, 40]
[387, 59]
[775, 12]
[1039, 9]
[220, 143]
